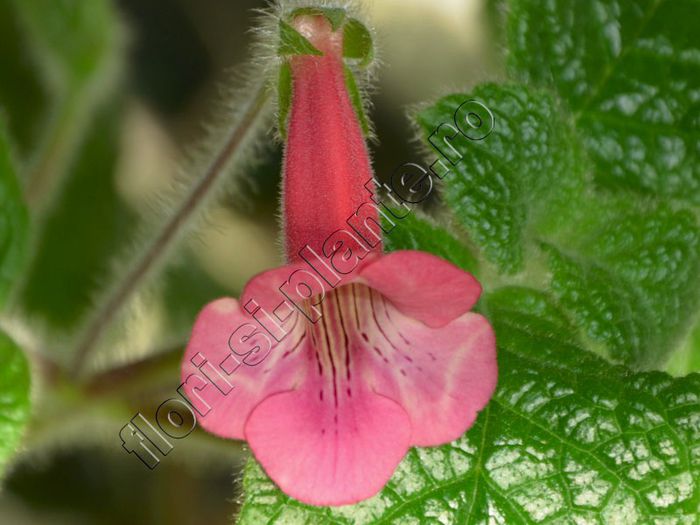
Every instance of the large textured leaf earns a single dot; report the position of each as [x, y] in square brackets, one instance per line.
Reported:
[628, 270]
[526, 173]
[14, 397]
[630, 71]
[13, 219]
[568, 438]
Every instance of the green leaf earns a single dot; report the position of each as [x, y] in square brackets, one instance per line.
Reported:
[629, 71]
[22, 98]
[687, 358]
[357, 42]
[567, 438]
[526, 174]
[73, 40]
[76, 47]
[14, 397]
[284, 97]
[533, 312]
[413, 233]
[335, 15]
[14, 219]
[356, 99]
[627, 270]
[357, 39]
[292, 42]
[82, 233]
[633, 284]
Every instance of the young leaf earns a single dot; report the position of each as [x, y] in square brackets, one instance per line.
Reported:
[14, 397]
[357, 42]
[335, 15]
[356, 99]
[292, 42]
[567, 438]
[284, 97]
[633, 284]
[687, 358]
[629, 71]
[13, 219]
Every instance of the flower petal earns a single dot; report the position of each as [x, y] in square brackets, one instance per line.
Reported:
[252, 377]
[422, 286]
[322, 455]
[264, 288]
[441, 376]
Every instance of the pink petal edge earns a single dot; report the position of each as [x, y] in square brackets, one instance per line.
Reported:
[251, 384]
[292, 436]
[422, 285]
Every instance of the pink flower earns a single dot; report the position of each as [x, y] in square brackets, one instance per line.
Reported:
[332, 373]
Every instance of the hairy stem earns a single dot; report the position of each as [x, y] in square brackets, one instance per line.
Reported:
[167, 234]
[130, 376]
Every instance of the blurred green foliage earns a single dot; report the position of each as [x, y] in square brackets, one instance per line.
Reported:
[72, 41]
[21, 92]
[14, 401]
[14, 219]
[83, 231]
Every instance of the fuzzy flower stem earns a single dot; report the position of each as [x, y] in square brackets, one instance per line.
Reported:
[166, 235]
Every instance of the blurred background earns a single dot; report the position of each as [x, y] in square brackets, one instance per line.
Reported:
[141, 84]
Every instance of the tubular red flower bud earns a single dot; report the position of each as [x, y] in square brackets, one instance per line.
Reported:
[326, 164]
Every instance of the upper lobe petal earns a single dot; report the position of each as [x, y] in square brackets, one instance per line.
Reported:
[422, 285]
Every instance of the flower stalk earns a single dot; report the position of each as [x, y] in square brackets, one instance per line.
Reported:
[171, 230]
